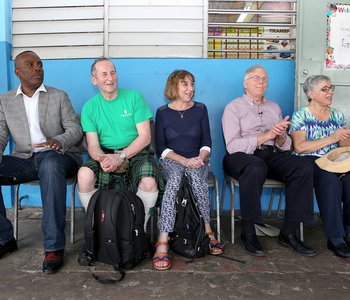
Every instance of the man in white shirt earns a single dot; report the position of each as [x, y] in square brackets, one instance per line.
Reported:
[45, 130]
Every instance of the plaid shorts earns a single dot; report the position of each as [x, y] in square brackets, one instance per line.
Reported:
[141, 165]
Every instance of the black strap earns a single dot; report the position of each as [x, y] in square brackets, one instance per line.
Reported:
[194, 206]
[182, 201]
[88, 225]
[231, 258]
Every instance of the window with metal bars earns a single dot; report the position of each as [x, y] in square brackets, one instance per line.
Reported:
[252, 29]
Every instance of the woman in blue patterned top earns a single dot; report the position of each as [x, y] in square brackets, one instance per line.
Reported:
[183, 143]
[316, 130]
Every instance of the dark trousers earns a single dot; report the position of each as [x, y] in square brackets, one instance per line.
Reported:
[333, 198]
[251, 170]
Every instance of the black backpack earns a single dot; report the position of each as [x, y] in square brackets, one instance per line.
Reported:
[188, 238]
[114, 230]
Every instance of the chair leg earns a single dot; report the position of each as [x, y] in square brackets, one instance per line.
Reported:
[218, 226]
[272, 198]
[15, 205]
[280, 204]
[152, 226]
[222, 199]
[212, 196]
[72, 214]
[232, 189]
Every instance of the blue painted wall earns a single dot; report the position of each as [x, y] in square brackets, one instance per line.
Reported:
[5, 38]
[5, 54]
[217, 83]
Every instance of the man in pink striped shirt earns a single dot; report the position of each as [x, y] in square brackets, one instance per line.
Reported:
[258, 147]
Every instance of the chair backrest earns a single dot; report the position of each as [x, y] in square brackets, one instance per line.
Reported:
[152, 145]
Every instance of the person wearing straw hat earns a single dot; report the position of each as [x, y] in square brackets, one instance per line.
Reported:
[319, 132]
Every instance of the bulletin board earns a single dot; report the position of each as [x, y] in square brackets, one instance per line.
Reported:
[338, 36]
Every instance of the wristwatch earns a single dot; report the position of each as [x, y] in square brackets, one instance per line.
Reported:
[281, 137]
[122, 156]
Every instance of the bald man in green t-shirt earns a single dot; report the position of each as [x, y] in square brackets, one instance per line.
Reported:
[117, 127]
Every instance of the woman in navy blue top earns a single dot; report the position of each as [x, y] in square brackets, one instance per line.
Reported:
[183, 144]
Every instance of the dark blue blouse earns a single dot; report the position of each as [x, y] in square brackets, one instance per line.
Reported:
[185, 132]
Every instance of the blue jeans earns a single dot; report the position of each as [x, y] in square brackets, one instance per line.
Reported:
[52, 169]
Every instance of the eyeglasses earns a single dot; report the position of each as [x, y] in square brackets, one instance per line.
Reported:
[326, 89]
[257, 78]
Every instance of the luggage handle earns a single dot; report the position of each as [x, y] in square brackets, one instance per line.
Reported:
[88, 226]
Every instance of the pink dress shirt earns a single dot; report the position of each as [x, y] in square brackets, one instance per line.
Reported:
[244, 120]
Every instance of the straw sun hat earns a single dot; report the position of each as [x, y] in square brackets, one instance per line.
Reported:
[336, 161]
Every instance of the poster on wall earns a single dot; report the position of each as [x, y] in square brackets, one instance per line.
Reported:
[338, 36]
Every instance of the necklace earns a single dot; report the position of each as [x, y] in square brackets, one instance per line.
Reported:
[181, 113]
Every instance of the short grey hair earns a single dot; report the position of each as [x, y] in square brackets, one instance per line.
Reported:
[312, 82]
[102, 58]
[252, 70]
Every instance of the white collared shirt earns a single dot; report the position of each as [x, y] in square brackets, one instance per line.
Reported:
[31, 105]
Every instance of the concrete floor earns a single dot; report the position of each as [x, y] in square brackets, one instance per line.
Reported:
[281, 275]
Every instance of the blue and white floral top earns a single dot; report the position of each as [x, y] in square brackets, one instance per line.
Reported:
[303, 120]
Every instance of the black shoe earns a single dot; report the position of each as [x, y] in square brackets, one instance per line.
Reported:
[53, 261]
[84, 259]
[341, 250]
[291, 241]
[251, 244]
[347, 240]
[8, 247]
